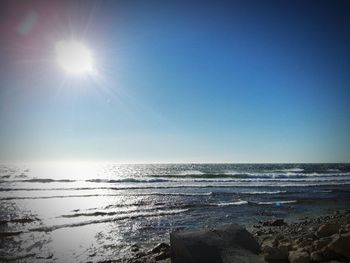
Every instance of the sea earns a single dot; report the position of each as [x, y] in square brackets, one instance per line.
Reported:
[83, 212]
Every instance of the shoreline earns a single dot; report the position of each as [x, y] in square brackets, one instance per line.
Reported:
[289, 239]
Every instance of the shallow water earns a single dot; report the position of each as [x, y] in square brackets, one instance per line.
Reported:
[92, 212]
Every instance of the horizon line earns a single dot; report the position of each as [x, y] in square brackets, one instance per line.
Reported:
[153, 162]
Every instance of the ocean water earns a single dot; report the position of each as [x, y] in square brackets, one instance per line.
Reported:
[95, 212]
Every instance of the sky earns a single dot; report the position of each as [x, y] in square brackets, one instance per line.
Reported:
[177, 81]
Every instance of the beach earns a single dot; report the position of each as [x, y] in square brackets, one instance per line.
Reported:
[322, 238]
[183, 131]
[111, 212]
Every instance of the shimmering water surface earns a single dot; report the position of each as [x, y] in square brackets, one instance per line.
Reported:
[95, 212]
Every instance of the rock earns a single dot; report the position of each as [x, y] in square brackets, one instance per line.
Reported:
[299, 257]
[269, 243]
[162, 255]
[343, 231]
[259, 233]
[161, 247]
[287, 246]
[279, 237]
[266, 237]
[231, 243]
[140, 254]
[276, 251]
[317, 256]
[327, 229]
[322, 242]
[304, 243]
[298, 240]
[134, 248]
[284, 240]
[276, 222]
[341, 245]
[328, 254]
[46, 255]
[274, 254]
[307, 249]
[312, 229]
[295, 247]
[310, 236]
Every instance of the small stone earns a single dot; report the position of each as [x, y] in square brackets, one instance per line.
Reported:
[317, 256]
[347, 227]
[135, 248]
[162, 255]
[161, 247]
[45, 255]
[310, 236]
[279, 237]
[287, 246]
[298, 240]
[312, 229]
[299, 257]
[304, 243]
[322, 242]
[266, 237]
[275, 254]
[307, 249]
[276, 222]
[343, 231]
[140, 254]
[259, 233]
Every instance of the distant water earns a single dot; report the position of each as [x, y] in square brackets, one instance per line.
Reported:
[79, 213]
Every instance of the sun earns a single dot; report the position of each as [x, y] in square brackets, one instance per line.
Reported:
[74, 57]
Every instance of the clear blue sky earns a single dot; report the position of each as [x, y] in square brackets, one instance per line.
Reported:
[178, 81]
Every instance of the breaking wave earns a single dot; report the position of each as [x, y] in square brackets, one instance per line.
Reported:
[106, 220]
[239, 202]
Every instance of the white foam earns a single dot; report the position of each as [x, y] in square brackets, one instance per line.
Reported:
[190, 172]
[239, 202]
[263, 192]
[110, 219]
[291, 170]
[277, 202]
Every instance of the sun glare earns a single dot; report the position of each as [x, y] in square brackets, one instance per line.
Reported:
[74, 57]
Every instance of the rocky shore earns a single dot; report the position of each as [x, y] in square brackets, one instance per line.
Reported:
[318, 239]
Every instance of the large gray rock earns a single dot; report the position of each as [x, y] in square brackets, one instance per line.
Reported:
[341, 245]
[328, 229]
[230, 243]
